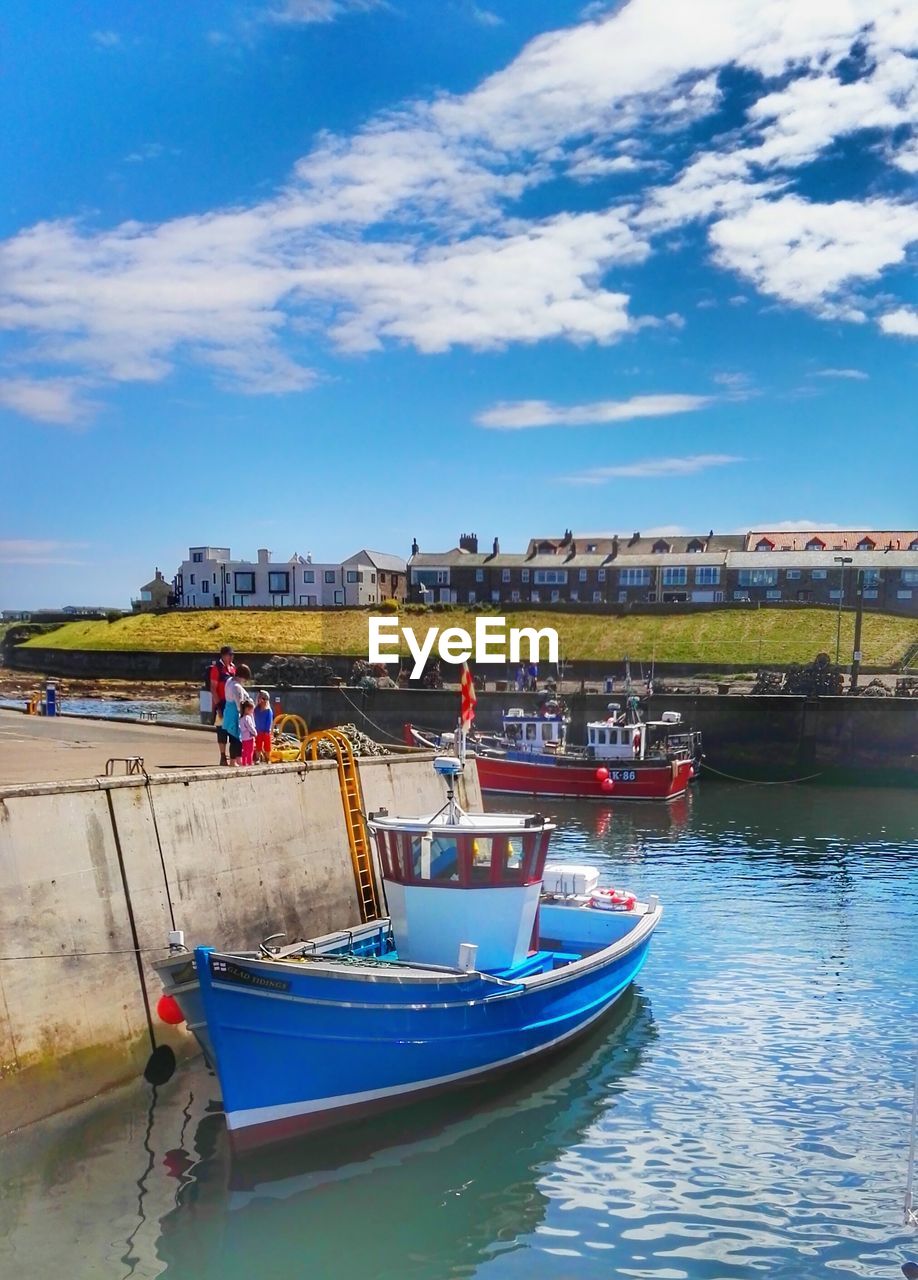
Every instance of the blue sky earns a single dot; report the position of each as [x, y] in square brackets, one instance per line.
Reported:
[323, 274]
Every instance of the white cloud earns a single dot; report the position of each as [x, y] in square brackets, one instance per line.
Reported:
[655, 468]
[854, 375]
[519, 414]
[485, 17]
[106, 39]
[39, 551]
[409, 229]
[307, 12]
[904, 322]
[60, 401]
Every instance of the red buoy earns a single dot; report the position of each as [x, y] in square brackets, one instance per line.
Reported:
[602, 775]
[608, 785]
[167, 1010]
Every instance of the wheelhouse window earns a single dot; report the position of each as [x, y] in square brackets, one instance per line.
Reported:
[462, 860]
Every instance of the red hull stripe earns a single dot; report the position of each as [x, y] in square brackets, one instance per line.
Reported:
[576, 782]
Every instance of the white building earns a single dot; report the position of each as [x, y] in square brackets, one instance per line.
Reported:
[211, 578]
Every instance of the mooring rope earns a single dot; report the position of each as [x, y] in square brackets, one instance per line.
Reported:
[756, 782]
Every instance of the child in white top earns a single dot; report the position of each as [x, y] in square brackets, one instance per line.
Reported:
[247, 731]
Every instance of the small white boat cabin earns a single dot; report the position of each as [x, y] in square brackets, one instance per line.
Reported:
[535, 734]
[459, 881]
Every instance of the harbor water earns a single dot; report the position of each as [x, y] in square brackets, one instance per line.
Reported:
[743, 1112]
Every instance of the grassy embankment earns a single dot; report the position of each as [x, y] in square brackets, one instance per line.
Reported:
[731, 636]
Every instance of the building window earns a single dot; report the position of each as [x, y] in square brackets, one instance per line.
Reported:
[675, 577]
[525, 575]
[479, 575]
[555, 597]
[309, 575]
[197, 557]
[226, 577]
[471, 597]
[191, 578]
[741, 595]
[836, 594]
[244, 583]
[634, 577]
[582, 575]
[764, 544]
[758, 577]
[430, 577]
[601, 575]
[866, 544]
[279, 582]
[815, 544]
[707, 577]
[772, 595]
[818, 574]
[535, 597]
[792, 575]
[871, 595]
[903, 595]
[515, 597]
[660, 547]
[695, 546]
[495, 596]
[548, 577]
[597, 597]
[352, 575]
[870, 577]
[913, 545]
[330, 576]
[910, 577]
[575, 596]
[505, 575]
[591, 548]
[205, 585]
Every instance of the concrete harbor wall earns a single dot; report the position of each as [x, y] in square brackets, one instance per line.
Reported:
[769, 737]
[94, 873]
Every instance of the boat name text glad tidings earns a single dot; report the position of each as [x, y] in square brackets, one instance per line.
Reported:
[493, 642]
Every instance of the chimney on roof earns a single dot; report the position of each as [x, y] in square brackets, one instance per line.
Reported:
[567, 536]
[496, 548]
[615, 546]
[264, 555]
[414, 546]
[634, 538]
[710, 534]
[468, 542]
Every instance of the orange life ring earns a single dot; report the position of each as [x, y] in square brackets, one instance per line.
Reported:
[613, 899]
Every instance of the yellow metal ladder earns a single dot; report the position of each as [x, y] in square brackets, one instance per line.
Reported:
[352, 803]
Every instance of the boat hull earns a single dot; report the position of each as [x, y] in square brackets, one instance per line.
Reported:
[323, 1047]
[643, 780]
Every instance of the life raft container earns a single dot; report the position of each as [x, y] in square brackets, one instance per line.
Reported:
[612, 900]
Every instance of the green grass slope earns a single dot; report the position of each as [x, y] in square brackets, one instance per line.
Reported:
[727, 636]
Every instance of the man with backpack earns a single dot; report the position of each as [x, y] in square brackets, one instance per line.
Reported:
[220, 671]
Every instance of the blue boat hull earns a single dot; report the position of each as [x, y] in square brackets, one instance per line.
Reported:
[302, 1046]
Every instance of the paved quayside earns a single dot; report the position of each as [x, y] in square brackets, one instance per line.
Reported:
[39, 749]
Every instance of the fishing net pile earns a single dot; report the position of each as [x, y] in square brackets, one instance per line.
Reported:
[286, 669]
[810, 680]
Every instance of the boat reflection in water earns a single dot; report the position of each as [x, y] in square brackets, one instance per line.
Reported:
[460, 1175]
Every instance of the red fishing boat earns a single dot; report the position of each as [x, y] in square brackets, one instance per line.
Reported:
[625, 757]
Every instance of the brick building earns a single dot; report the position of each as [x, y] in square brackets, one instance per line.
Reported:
[811, 567]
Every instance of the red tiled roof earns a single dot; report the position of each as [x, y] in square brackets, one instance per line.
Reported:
[834, 539]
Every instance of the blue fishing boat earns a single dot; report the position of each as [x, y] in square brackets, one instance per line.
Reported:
[487, 958]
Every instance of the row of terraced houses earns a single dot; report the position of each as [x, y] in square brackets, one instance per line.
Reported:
[818, 567]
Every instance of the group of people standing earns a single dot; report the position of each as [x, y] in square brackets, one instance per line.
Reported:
[243, 723]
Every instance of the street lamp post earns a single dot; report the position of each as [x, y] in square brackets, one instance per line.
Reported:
[842, 560]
